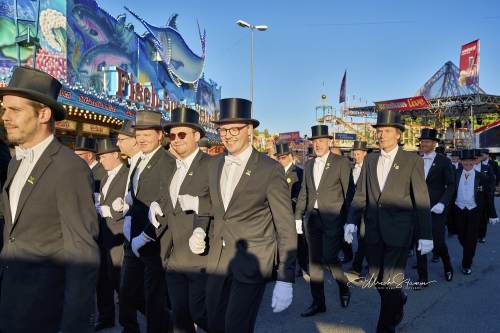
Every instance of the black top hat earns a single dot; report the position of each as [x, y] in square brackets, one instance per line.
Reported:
[485, 151]
[282, 149]
[455, 153]
[127, 128]
[105, 146]
[359, 145]
[36, 86]
[204, 142]
[236, 110]
[183, 116]
[319, 131]
[310, 151]
[148, 120]
[478, 152]
[390, 118]
[468, 154]
[85, 143]
[429, 134]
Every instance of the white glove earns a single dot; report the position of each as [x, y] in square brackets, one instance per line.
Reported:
[494, 221]
[197, 241]
[97, 198]
[349, 229]
[154, 209]
[438, 208]
[127, 225]
[425, 246]
[140, 241]
[282, 296]
[188, 202]
[118, 204]
[298, 227]
[104, 211]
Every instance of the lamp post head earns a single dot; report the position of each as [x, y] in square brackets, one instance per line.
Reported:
[243, 24]
[261, 27]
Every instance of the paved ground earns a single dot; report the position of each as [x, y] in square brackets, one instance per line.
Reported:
[467, 304]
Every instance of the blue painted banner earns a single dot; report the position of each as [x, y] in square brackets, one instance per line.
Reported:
[345, 136]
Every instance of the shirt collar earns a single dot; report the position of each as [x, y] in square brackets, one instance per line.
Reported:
[485, 162]
[40, 147]
[431, 155]
[189, 160]
[360, 165]
[114, 171]
[324, 158]
[391, 154]
[150, 154]
[244, 156]
[288, 167]
[93, 164]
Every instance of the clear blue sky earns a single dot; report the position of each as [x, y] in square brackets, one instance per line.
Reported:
[389, 48]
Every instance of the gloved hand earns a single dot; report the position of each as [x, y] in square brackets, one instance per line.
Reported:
[282, 296]
[197, 241]
[188, 202]
[118, 204]
[154, 209]
[127, 225]
[104, 211]
[140, 241]
[425, 246]
[97, 198]
[494, 221]
[349, 229]
[298, 227]
[438, 208]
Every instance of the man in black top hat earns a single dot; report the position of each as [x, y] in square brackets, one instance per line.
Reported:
[359, 151]
[294, 177]
[50, 256]
[172, 223]
[204, 145]
[86, 148]
[486, 160]
[471, 202]
[392, 196]
[109, 206]
[142, 259]
[440, 179]
[484, 168]
[310, 154]
[326, 191]
[254, 239]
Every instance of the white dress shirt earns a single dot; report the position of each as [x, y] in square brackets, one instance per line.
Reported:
[233, 169]
[179, 175]
[455, 164]
[319, 167]
[111, 176]
[288, 167]
[428, 160]
[25, 168]
[356, 171]
[93, 164]
[465, 192]
[142, 165]
[477, 167]
[384, 166]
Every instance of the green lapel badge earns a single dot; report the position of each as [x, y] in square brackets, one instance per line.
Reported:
[31, 180]
[248, 172]
[396, 166]
[327, 166]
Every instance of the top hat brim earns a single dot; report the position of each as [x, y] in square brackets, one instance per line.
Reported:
[254, 122]
[197, 127]
[59, 112]
[321, 136]
[400, 126]
[85, 149]
[120, 131]
[150, 126]
[429, 138]
[282, 153]
[107, 151]
[360, 148]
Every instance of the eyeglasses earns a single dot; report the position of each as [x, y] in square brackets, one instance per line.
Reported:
[233, 131]
[180, 135]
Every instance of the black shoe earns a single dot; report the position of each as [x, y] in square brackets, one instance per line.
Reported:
[467, 271]
[313, 309]
[435, 258]
[482, 240]
[448, 275]
[399, 316]
[344, 296]
[101, 325]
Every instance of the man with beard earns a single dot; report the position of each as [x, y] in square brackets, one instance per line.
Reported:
[324, 197]
[253, 239]
[50, 257]
[392, 196]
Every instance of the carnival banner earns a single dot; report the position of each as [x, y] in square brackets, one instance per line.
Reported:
[289, 136]
[469, 63]
[403, 104]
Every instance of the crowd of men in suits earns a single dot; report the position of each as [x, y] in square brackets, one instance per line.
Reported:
[191, 240]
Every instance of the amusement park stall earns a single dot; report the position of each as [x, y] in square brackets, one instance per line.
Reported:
[108, 71]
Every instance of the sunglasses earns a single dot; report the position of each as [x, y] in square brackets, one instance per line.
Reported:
[180, 135]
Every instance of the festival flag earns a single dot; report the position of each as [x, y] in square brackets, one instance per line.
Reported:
[469, 63]
[342, 88]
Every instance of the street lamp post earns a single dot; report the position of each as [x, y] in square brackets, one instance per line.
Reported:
[252, 27]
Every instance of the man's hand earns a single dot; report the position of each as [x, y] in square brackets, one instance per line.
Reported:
[197, 241]
[438, 208]
[104, 211]
[282, 296]
[493, 221]
[349, 230]
[154, 210]
[425, 246]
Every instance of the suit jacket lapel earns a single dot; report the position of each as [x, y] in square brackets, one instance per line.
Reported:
[36, 173]
[245, 177]
[433, 167]
[189, 176]
[147, 169]
[220, 166]
[11, 172]
[374, 174]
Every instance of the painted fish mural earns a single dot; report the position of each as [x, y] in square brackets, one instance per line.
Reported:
[183, 65]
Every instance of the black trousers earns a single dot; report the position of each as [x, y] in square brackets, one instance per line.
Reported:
[324, 242]
[387, 266]
[187, 299]
[302, 253]
[232, 306]
[484, 220]
[467, 222]
[107, 283]
[357, 263]
[143, 276]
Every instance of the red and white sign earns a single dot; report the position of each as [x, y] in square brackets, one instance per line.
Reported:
[469, 63]
[403, 104]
